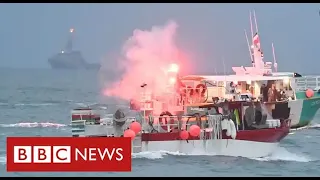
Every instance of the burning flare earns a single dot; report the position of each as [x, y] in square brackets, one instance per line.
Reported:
[149, 58]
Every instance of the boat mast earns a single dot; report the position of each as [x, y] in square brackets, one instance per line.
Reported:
[256, 45]
[252, 61]
[70, 39]
[275, 64]
[255, 20]
[256, 24]
[251, 29]
[224, 70]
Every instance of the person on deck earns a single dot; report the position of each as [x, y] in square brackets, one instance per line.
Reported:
[265, 93]
[262, 88]
[249, 117]
[272, 93]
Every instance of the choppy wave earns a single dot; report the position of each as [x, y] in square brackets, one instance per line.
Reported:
[28, 104]
[45, 103]
[312, 126]
[281, 154]
[101, 106]
[154, 154]
[34, 104]
[33, 125]
[3, 160]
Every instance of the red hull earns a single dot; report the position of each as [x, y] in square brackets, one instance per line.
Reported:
[259, 135]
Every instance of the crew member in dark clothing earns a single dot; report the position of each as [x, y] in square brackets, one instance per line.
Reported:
[261, 89]
[264, 92]
[272, 93]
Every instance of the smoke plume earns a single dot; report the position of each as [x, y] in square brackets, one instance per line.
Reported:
[146, 55]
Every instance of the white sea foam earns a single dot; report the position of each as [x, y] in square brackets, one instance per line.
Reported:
[154, 154]
[314, 126]
[27, 104]
[281, 154]
[3, 160]
[33, 125]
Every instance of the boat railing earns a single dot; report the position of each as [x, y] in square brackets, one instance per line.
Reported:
[78, 122]
[170, 123]
[307, 82]
[78, 127]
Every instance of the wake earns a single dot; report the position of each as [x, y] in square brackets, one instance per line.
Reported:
[311, 126]
[281, 154]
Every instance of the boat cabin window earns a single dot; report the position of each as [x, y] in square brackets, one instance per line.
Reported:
[284, 84]
[276, 90]
[284, 89]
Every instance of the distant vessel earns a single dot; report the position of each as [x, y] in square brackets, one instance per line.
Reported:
[70, 59]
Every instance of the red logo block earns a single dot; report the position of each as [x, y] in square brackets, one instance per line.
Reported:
[68, 154]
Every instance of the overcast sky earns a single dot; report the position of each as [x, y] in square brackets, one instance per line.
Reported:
[31, 33]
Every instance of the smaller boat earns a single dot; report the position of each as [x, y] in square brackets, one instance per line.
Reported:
[70, 59]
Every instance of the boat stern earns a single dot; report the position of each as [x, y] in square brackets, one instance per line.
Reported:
[308, 108]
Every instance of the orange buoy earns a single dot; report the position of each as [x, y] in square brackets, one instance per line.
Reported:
[194, 130]
[184, 135]
[309, 93]
[135, 127]
[129, 133]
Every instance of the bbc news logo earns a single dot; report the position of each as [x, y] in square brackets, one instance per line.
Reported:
[68, 154]
[61, 154]
[42, 154]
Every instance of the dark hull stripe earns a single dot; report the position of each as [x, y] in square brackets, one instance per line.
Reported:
[77, 130]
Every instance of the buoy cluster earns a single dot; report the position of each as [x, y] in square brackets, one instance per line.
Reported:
[194, 131]
[133, 130]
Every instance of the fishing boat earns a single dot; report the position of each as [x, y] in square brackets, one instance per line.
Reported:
[210, 133]
[301, 93]
[173, 121]
[219, 115]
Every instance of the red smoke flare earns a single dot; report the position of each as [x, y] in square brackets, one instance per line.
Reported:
[147, 55]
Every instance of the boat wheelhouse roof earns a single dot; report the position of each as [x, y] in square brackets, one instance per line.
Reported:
[234, 78]
[290, 74]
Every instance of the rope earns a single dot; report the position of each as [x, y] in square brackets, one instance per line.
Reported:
[215, 122]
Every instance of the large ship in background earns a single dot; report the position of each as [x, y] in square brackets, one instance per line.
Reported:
[70, 59]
